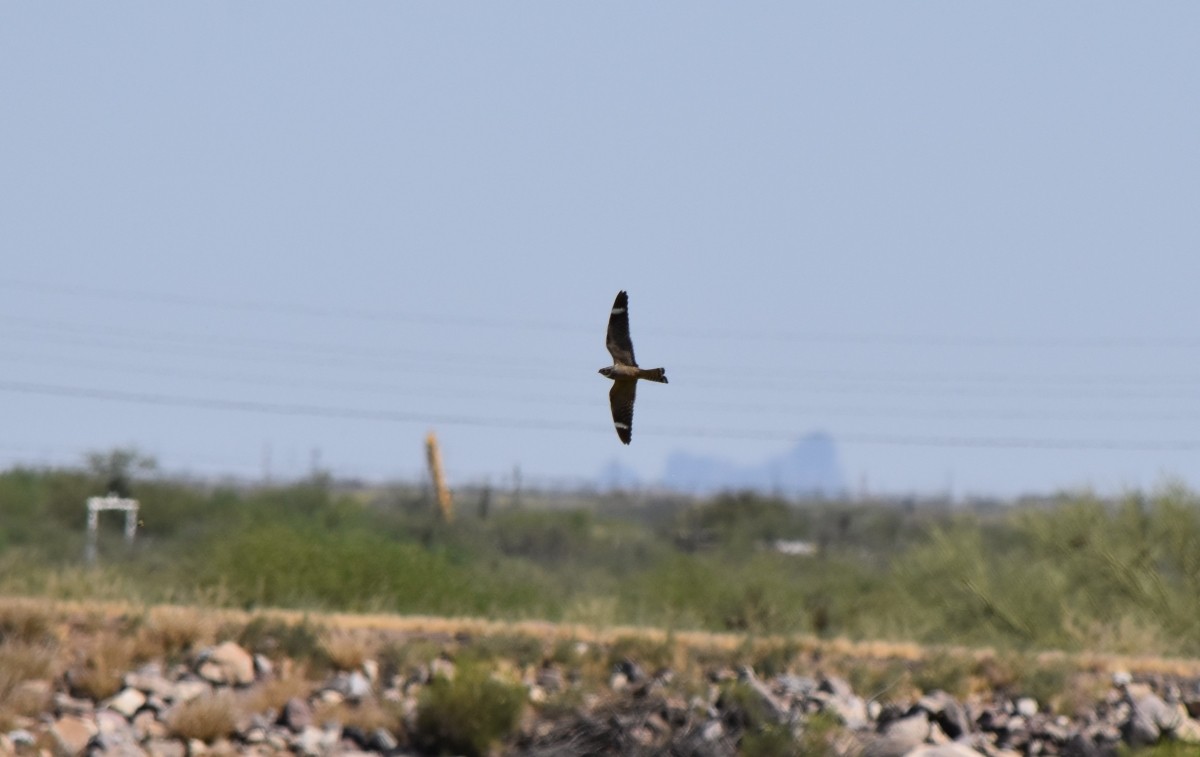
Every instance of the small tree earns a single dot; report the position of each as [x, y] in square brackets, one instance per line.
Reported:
[116, 468]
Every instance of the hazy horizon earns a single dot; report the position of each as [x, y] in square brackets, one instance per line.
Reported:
[961, 240]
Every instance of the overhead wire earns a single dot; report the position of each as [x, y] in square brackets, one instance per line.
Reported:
[27, 360]
[930, 339]
[473, 367]
[842, 381]
[542, 424]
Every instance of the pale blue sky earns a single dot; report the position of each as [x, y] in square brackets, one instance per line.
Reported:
[949, 234]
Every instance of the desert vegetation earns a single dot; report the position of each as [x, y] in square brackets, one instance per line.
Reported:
[1073, 572]
[537, 621]
[112, 678]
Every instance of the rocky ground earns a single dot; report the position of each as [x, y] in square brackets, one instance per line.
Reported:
[276, 687]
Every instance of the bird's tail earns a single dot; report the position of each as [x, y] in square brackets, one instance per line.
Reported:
[653, 374]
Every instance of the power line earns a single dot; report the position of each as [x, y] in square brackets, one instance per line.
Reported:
[1125, 386]
[280, 408]
[590, 399]
[283, 308]
[324, 411]
[491, 322]
[238, 346]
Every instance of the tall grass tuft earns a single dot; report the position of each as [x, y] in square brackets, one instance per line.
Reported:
[207, 718]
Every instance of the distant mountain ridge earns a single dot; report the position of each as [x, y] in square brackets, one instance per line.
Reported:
[811, 466]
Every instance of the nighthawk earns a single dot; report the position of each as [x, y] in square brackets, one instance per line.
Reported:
[624, 371]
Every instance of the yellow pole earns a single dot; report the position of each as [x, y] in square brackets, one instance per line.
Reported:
[434, 453]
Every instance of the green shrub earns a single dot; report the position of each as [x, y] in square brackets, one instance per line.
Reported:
[761, 733]
[469, 714]
[279, 639]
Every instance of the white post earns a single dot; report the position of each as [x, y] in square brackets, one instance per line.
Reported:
[111, 502]
[93, 529]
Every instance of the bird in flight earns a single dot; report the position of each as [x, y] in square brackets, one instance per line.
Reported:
[624, 371]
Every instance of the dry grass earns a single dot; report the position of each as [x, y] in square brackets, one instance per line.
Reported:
[27, 620]
[401, 641]
[367, 715]
[105, 660]
[172, 632]
[26, 672]
[22, 661]
[347, 650]
[208, 717]
[273, 694]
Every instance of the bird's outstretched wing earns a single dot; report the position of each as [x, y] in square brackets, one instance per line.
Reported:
[619, 343]
[621, 398]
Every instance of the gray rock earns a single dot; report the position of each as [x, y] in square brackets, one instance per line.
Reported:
[113, 725]
[382, 740]
[1080, 745]
[953, 749]
[911, 730]
[165, 748]
[1103, 733]
[227, 663]
[355, 686]
[632, 670]
[276, 741]
[1052, 730]
[440, 667]
[945, 710]
[776, 709]
[392, 695]
[1149, 718]
[992, 720]
[310, 742]
[713, 731]
[874, 709]
[796, 686]
[370, 669]
[1188, 731]
[149, 680]
[71, 734]
[1027, 707]
[68, 705]
[297, 715]
[115, 745]
[20, 738]
[187, 689]
[265, 719]
[330, 697]
[838, 687]
[887, 746]
[1191, 701]
[643, 737]
[851, 710]
[263, 667]
[1167, 716]
[254, 735]
[126, 702]
[146, 725]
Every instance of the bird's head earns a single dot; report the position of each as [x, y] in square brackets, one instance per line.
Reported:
[606, 371]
